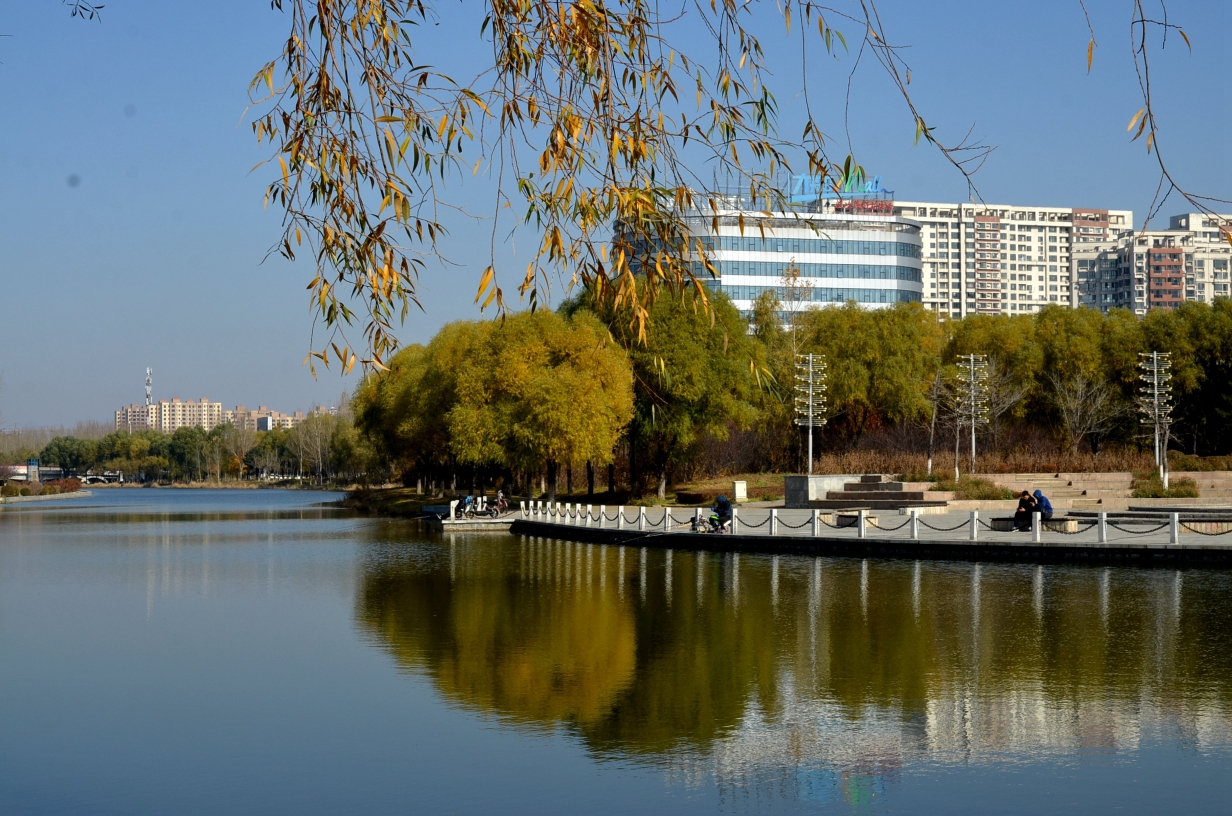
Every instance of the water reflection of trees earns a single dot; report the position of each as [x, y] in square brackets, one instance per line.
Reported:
[646, 651]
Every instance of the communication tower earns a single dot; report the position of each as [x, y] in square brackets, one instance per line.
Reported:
[149, 384]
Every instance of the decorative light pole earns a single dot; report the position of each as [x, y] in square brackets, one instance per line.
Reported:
[972, 400]
[810, 396]
[1155, 402]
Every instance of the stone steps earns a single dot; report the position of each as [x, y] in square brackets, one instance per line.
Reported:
[871, 504]
[886, 487]
[893, 496]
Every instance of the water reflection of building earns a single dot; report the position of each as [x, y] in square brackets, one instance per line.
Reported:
[824, 675]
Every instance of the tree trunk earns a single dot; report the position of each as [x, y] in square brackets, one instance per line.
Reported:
[634, 480]
[957, 440]
[611, 478]
[569, 479]
[551, 480]
[590, 479]
[663, 484]
[932, 428]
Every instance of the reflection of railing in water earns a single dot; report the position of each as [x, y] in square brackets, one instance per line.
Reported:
[662, 520]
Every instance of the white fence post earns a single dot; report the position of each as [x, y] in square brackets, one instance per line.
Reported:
[1037, 526]
[588, 509]
[522, 508]
[603, 515]
[915, 523]
[667, 519]
[1174, 530]
[816, 522]
[453, 509]
[861, 517]
[1103, 528]
[774, 521]
[620, 517]
[641, 518]
[975, 525]
[735, 521]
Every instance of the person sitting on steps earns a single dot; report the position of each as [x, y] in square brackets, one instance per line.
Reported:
[1022, 516]
[1042, 505]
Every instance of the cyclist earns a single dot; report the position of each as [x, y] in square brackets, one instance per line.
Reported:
[723, 509]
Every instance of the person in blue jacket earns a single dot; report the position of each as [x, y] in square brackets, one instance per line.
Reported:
[1042, 505]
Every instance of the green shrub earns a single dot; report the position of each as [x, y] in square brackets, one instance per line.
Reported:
[1152, 487]
[10, 489]
[49, 490]
[25, 491]
[970, 488]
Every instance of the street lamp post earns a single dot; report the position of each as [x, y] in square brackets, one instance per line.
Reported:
[973, 398]
[1155, 403]
[810, 396]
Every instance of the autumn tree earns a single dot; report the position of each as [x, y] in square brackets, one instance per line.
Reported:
[880, 362]
[695, 375]
[540, 389]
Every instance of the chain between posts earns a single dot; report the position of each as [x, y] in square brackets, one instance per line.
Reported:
[1118, 526]
[1090, 526]
[893, 529]
[964, 524]
[1185, 526]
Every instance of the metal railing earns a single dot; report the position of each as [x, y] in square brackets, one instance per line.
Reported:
[668, 519]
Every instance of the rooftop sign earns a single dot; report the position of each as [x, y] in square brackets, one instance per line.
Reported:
[811, 188]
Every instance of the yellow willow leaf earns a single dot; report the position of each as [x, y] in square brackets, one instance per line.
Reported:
[488, 274]
[491, 297]
[1090, 54]
[285, 172]
[1134, 121]
[1150, 139]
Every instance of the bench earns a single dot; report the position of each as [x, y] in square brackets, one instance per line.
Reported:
[1061, 524]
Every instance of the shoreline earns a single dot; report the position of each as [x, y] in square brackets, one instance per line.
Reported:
[77, 494]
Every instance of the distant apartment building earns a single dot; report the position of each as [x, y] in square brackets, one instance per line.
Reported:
[1156, 269]
[170, 416]
[1006, 259]
[266, 419]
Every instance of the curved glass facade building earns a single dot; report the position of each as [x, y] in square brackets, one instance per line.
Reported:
[871, 259]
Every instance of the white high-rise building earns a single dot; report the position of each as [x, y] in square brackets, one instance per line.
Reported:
[1006, 259]
[1157, 269]
[169, 416]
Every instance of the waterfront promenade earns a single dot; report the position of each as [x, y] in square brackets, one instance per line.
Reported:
[963, 535]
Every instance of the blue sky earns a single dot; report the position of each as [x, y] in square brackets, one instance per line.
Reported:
[156, 256]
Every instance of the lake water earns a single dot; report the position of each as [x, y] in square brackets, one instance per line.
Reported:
[204, 652]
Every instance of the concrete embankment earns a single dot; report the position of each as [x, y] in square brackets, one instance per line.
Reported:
[79, 494]
[937, 538]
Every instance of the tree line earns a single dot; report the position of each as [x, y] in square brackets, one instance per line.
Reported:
[321, 448]
[525, 400]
